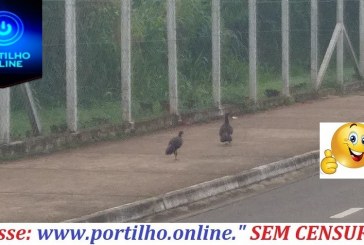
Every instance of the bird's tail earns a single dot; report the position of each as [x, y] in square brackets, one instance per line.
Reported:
[169, 150]
[225, 137]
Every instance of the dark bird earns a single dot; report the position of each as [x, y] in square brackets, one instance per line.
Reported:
[271, 93]
[174, 144]
[226, 130]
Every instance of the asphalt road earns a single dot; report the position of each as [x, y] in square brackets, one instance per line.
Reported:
[307, 200]
[298, 196]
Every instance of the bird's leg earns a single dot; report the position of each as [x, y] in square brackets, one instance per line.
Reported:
[175, 155]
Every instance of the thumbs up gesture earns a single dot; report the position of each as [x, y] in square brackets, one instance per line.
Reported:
[328, 164]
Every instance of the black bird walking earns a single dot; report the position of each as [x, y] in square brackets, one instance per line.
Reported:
[174, 144]
[226, 130]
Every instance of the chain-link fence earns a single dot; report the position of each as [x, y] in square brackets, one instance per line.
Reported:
[300, 47]
[99, 60]
[194, 54]
[326, 27]
[50, 91]
[149, 60]
[235, 51]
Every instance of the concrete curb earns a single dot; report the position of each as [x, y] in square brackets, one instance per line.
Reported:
[150, 206]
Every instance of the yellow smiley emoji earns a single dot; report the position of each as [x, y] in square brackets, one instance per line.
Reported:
[347, 148]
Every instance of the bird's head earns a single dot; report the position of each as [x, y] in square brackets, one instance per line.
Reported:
[180, 133]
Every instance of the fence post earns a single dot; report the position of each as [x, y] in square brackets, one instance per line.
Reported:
[31, 108]
[285, 47]
[4, 116]
[71, 64]
[126, 61]
[340, 44]
[330, 50]
[216, 83]
[253, 50]
[361, 41]
[314, 42]
[172, 57]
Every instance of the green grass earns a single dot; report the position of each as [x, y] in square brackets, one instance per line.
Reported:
[100, 113]
[54, 119]
[20, 124]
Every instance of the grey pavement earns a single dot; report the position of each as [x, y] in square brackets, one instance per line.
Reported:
[308, 200]
[77, 182]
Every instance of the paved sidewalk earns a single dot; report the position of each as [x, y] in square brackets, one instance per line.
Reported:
[73, 183]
